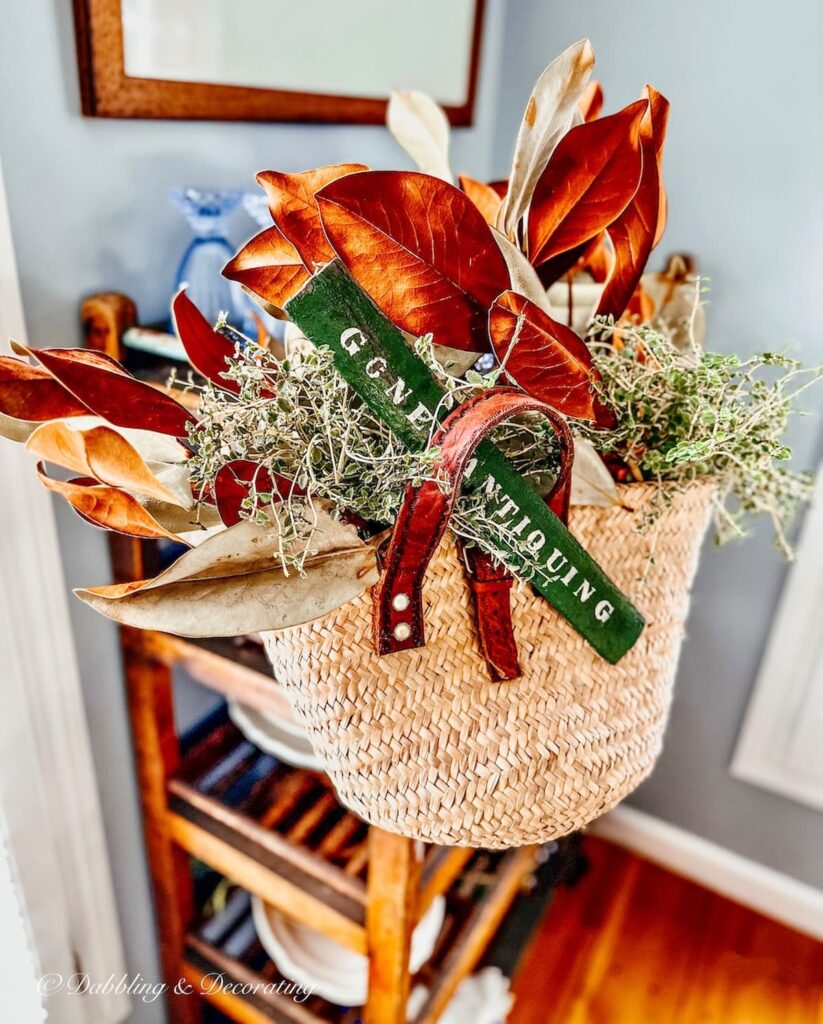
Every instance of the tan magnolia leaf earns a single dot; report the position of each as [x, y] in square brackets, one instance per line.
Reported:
[524, 277]
[104, 454]
[17, 430]
[234, 583]
[421, 127]
[551, 111]
[592, 483]
[107, 507]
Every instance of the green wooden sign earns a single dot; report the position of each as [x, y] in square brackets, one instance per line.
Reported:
[375, 360]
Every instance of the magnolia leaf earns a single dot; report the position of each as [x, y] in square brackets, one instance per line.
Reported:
[550, 113]
[545, 358]
[101, 453]
[234, 583]
[188, 524]
[523, 276]
[238, 480]
[104, 387]
[421, 127]
[107, 507]
[421, 249]
[209, 351]
[17, 430]
[484, 197]
[592, 483]
[591, 102]
[589, 181]
[634, 231]
[270, 269]
[29, 393]
[293, 207]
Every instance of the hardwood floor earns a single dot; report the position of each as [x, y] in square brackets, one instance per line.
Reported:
[634, 944]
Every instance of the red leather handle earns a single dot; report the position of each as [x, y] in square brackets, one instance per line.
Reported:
[424, 514]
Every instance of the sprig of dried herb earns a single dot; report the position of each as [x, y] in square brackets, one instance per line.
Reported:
[685, 415]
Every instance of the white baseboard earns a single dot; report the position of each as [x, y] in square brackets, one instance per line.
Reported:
[765, 890]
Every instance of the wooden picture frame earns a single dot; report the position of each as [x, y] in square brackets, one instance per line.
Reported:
[107, 91]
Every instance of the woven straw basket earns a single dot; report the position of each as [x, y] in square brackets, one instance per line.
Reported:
[422, 743]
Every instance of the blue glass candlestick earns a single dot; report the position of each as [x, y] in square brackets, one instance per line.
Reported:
[207, 211]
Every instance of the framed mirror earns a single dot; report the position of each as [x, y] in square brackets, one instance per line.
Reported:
[274, 60]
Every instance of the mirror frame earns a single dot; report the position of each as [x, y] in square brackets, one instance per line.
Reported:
[106, 90]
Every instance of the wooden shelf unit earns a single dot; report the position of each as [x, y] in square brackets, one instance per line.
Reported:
[285, 838]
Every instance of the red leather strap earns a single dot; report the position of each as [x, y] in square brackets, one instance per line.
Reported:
[424, 514]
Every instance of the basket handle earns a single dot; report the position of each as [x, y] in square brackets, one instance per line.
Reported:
[425, 512]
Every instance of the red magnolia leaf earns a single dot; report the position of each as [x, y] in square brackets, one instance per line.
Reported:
[598, 259]
[107, 507]
[110, 391]
[544, 357]
[634, 231]
[237, 480]
[294, 210]
[501, 187]
[589, 181]
[29, 393]
[270, 268]
[421, 249]
[591, 102]
[484, 197]
[207, 349]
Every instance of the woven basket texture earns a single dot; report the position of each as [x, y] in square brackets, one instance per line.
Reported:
[423, 744]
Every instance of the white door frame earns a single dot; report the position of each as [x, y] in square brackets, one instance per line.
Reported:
[50, 817]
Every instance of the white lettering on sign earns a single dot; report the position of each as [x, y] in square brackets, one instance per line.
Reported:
[352, 340]
[555, 569]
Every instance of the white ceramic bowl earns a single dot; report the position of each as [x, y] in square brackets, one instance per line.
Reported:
[329, 969]
[287, 741]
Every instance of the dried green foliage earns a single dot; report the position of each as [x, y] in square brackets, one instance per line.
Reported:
[317, 432]
[693, 414]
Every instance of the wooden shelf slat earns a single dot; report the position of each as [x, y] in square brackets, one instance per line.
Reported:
[258, 1006]
[440, 869]
[246, 869]
[216, 666]
[477, 931]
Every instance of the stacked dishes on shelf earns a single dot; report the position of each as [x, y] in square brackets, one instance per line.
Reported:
[315, 961]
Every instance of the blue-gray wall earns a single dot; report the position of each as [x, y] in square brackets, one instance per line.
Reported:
[743, 171]
[89, 212]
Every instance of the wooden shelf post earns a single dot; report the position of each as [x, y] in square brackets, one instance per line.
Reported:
[391, 913]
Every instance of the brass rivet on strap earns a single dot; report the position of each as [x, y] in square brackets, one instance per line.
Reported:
[402, 631]
[400, 602]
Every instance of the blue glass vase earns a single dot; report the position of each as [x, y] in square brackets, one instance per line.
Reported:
[207, 211]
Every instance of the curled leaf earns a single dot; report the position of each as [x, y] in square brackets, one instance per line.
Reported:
[524, 278]
[107, 507]
[270, 269]
[592, 483]
[421, 249]
[550, 112]
[634, 231]
[293, 207]
[234, 583]
[30, 393]
[544, 357]
[238, 480]
[207, 349]
[102, 453]
[104, 387]
[589, 181]
[419, 125]
[485, 198]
